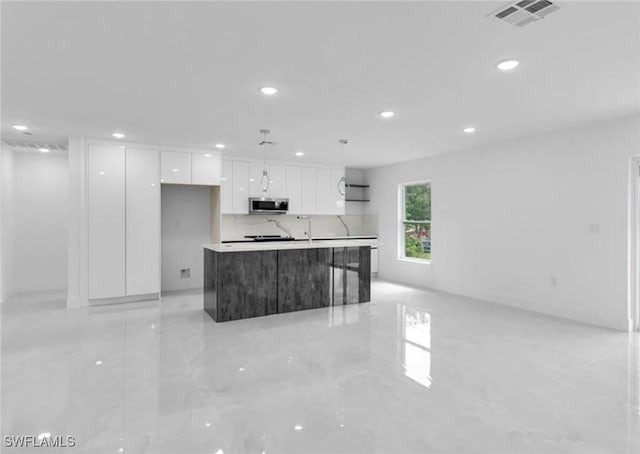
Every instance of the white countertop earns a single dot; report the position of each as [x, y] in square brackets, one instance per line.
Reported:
[280, 245]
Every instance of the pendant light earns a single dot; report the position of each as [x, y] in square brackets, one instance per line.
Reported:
[343, 190]
[265, 181]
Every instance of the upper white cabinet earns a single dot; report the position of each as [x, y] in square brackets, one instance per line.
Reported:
[142, 221]
[206, 169]
[329, 186]
[324, 191]
[240, 187]
[309, 191]
[278, 180]
[176, 167]
[181, 167]
[338, 191]
[255, 177]
[106, 206]
[226, 187]
[294, 188]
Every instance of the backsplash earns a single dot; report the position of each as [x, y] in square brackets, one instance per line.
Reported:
[235, 227]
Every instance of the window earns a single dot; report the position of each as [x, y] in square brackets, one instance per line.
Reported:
[415, 235]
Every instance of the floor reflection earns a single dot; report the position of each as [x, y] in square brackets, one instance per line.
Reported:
[415, 328]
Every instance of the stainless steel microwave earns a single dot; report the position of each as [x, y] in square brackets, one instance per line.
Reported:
[262, 205]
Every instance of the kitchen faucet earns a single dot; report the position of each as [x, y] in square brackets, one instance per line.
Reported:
[281, 226]
[308, 218]
[346, 227]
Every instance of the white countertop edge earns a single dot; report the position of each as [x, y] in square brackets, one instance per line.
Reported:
[282, 245]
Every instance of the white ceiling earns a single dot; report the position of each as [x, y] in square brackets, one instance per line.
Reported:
[187, 74]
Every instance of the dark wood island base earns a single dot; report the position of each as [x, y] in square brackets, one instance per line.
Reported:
[243, 284]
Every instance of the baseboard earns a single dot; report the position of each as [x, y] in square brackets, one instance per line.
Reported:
[123, 299]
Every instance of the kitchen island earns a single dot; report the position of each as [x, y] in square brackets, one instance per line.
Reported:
[252, 279]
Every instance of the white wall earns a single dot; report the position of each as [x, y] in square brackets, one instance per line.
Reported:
[41, 201]
[510, 219]
[6, 222]
[186, 226]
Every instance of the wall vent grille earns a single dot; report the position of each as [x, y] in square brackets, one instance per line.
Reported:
[524, 12]
[34, 146]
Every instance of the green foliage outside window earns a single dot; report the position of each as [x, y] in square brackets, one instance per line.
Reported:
[417, 221]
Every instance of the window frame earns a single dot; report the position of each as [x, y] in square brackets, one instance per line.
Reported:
[402, 221]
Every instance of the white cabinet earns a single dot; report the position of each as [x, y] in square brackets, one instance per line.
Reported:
[324, 191]
[176, 167]
[142, 221]
[309, 191]
[205, 169]
[338, 185]
[255, 178]
[240, 187]
[106, 206]
[329, 184]
[226, 187]
[278, 178]
[124, 221]
[294, 188]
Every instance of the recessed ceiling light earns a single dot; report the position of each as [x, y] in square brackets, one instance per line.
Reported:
[220, 146]
[298, 427]
[98, 363]
[207, 424]
[20, 127]
[269, 91]
[175, 170]
[299, 153]
[507, 65]
[43, 150]
[469, 130]
[207, 155]
[387, 114]
[118, 135]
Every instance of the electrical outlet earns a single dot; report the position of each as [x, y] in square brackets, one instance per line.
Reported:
[185, 273]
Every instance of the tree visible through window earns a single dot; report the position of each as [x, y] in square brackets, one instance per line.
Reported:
[416, 221]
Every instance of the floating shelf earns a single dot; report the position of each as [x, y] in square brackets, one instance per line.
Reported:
[356, 200]
[357, 185]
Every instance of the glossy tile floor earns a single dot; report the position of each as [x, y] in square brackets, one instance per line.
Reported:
[413, 371]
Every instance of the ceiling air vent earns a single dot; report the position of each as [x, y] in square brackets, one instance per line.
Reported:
[34, 146]
[524, 12]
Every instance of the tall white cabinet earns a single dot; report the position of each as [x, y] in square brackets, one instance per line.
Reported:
[106, 213]
[123, 221]
[142, 241]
